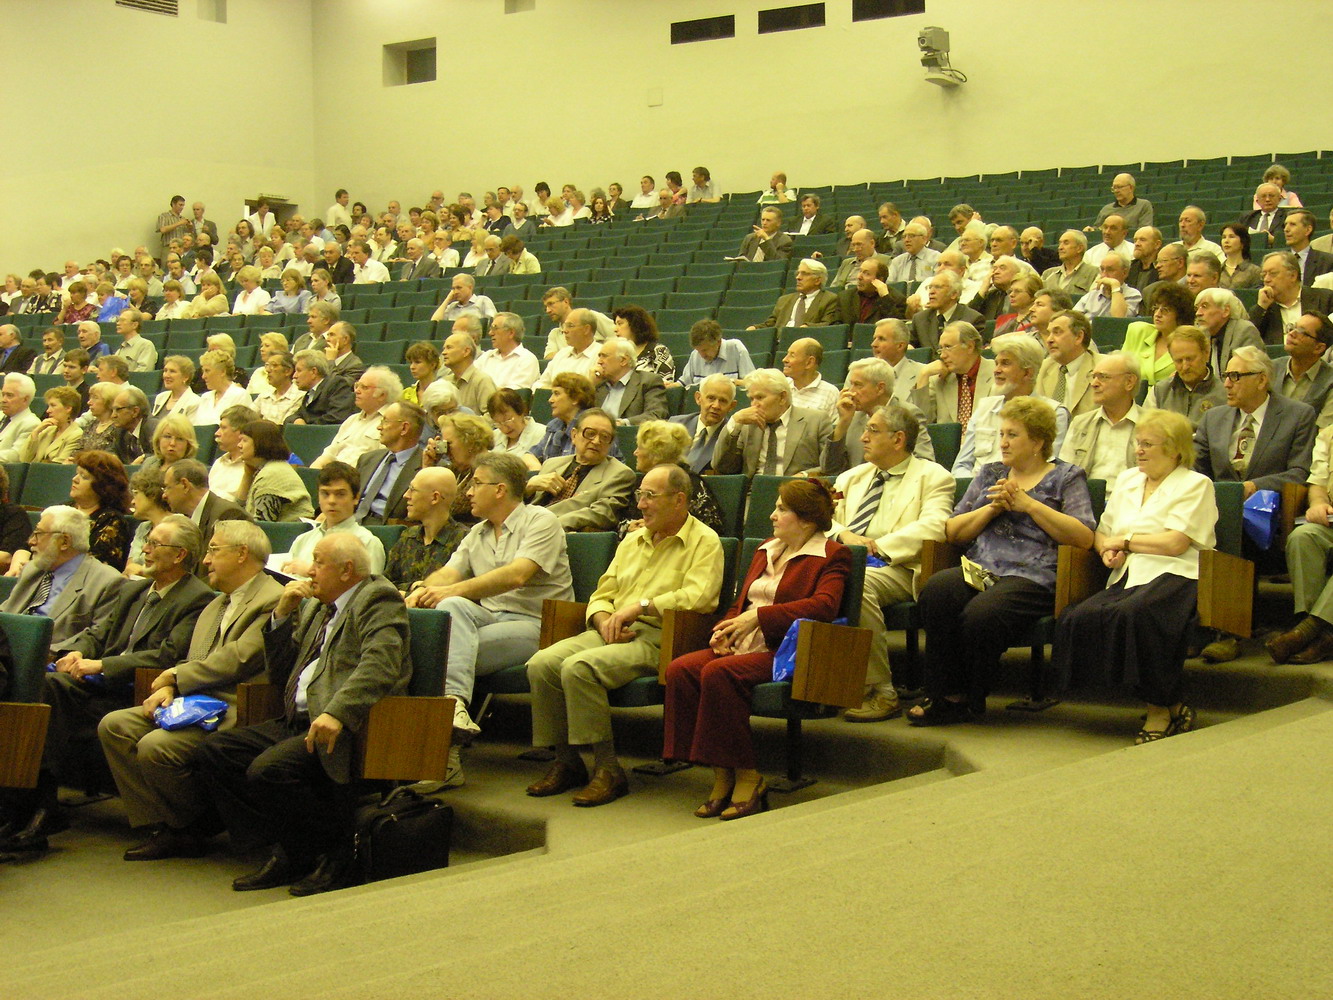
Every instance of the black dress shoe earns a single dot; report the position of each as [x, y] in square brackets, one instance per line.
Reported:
[272, 873]
[45, 822]
[332, 872]
[168, 843]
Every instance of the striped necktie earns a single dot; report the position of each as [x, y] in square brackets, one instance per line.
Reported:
[43, 593]
[869, 505]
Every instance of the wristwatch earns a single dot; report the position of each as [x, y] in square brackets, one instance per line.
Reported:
[643, 606]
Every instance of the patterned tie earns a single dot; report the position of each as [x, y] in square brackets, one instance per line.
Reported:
[869, 505]
[798, 314]
[573, 477]
[771, 457]
[141, 622]
[1240, 461]
[43, 593]
[294, 678]
[1062, 384]
[966, 392]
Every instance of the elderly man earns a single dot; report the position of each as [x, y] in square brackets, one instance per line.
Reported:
[585, 491]
[508, 363]
[890, 342]
[869, 298]
[673, 562]
[812, 222]
[977, 261]
[209, 652]
[992, 297]
[493, 586]
[1195, 388]
[470, 326]
[1066, 374]
[17, 421]
[629, 395]
[388, 470]
[1136, 211]
[647, 196]
[766, 241]
[129, 412]
[338, 487]
[95, 669]
[113, 369]
[870, 385]
[714, 355]
[1191, 222]
[558, 303]
[1269, 215]
[809, 390]
[917, 259]
[462, 298]
[327, 400]
[665, 207]
[1113, 241]
[580, 353]
[185, 489]
[280, 398]
[1308, 548]
[1034, 252]
[890, 240]
[1111, 294]
[419, 264]
[359, 433]
[770, 436]
[90, 339]
[521, 261]
[339, 267]
[1298, 228]
[810, 305]
[1202, 271]
[716, 398]
[891, 504]
[1018, 359]
[1170, 266]
[14, 357]
[1282, 299]
[139, 353]
[52, 356]
[432, 536]
[1101, 441]
[493, 262]
[474, 387]
[949, 388]
[337, 643]
[850, 227]
[942, 308]
[1304, 374]
[318, 322]
[862, 250]
[1074, 275]
[366, 269]
[340, 349]
[1143, 267]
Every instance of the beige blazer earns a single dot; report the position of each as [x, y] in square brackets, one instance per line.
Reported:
[939, 401]
[1078, 387]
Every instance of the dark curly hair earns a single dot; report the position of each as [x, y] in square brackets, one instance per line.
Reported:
[110, 483]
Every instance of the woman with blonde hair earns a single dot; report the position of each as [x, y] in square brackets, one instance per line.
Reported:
[252, 300]
[211, 300]
[176, 397]
[268, 267]
[662, 442]
[101, 434]
[173, 439]
[269, 344]
[321, 289]
[148, 503]
[136, 297]
[56, 438]
[462, 438]
[221, 393]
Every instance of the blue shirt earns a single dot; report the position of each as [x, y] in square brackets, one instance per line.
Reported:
[615, 393]
[555, 442]
[59, 581]
[732, 360]
[397, 460]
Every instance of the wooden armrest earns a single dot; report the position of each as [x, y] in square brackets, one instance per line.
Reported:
[936, 556]
[24, 727]
[1079, 574]
[831, 664]
[1294, 496]
[257, 701]
[683, 632]
[143, 683]
[407, 739]
[562, 619]
[1226, 592]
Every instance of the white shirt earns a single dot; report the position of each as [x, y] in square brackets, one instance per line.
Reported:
[371, 272]
[209, 409]
[224, 477]
[337, 216]
[1183, 502]
[251, 303]
[278, 408]
[262, 225]
[357, 435]
[818, 395]
[304, 547]
[566, 360]
[1097, 254]
[517, 370]
[648, 200]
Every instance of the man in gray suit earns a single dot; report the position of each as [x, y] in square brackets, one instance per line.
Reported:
[943, 291]
[388, 471]
[863, 249]
[185, 487]
[17, 421]
[716, 398]
[494, 264]
[1221, 316]
[770, 436]
[419, 263]
[767, 241]
[337, 643]
[870, 385]
[811, 305]
[629, 395]
[587, 491]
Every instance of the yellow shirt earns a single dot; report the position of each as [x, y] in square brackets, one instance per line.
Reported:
[682, 571]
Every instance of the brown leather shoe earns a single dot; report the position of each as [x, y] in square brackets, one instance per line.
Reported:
[1319, 651]
[560, 778]
[1282, 647]
[606, 786]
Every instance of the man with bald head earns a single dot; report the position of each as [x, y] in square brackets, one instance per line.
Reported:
[1113, 241]
[870, 298]
[1101, 441]
[917, 259]
[1143, 266]
[475, 388]
[1136, 211]
[863, 249]
[1034, 251]
[1111, 294]
[1191, 222]
[493, 263]
[419, 264]
[425, 545]
[579, 355]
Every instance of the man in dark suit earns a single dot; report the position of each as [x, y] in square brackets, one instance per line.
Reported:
[811, 222]
[327, 400]
[201, 225]
[942, 308]
[716, 398]
[1283, 297]
[340, 268]
[14, 357]
[387, 472]
[185, 487]
[770, 436]
[318, 321]
[1219, 314]
[811, 305]
[337, 643]
[767, 241]
[627, 394]
[871, 299]
[129, 412]
[1269, 218]
[95, 668]
[1298, 228]
[1033, 250]
[340, 349]
[419, 263]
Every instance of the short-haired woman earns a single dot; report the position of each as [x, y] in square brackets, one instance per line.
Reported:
[270, 489]
[56, 438]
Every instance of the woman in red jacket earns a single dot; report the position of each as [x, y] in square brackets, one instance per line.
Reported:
[798, 573]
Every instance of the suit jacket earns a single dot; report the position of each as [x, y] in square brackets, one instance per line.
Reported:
[1316, 263]
[1078, 387]
[492, 268]
[367, 655]
[822, 225]
[775, 247]
[108, 638]
[618, 208]
[1322, 383]
[349, 367]
[939, 399]
[810, 587]
[1080, 444]
[738, 449]
[1073, 285]
[891, 306]
[89, 595]
[330, 402]
[1237, 333]
[1281, 453]
[1042, 259]
[395, 508]
[217, 509]
[839, 456]
[690, 421]
[992, 305]
[424, 266]
[824, 310]
[1269, 321]
[845, 276]
[1251, 220]
[925, 328]
[20, 359]
[593, 507]
[16, 431]
[208, 226]
[644, 398]
[343, 272]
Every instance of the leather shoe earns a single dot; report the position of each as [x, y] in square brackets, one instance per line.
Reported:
[606, 786]
[168, 843]
[332, 872]
[875, 708]
[1282, 647]
[1317, 652]
[272, 873]
[560, 778]
[1223, 649]
[45, 822]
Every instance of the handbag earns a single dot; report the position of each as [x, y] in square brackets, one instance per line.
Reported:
[1260, 514]
[403, 833]
[191, 710]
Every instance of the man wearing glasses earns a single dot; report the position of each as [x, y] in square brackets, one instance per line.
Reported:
[585, 492]
[95, 669]
[1304, 374]
[949, 387]
[1101, 441]
[493, 586]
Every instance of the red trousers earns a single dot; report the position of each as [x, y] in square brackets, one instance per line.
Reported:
[707, 715]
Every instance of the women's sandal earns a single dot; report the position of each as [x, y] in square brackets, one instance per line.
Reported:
[758, 803]
[713, 808]
[940, 712]
[1151, 735]
[1182, 721]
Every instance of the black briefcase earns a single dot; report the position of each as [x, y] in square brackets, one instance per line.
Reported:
[402, 834]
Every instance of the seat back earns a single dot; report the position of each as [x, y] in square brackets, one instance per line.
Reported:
[1229, 496]
[46, 484]
[729, 491]
[429, 631]
[590, 553]
[946, 439]
[763, 498]
[281, 534]
[30, 642]
[386, 533]
[308, 440]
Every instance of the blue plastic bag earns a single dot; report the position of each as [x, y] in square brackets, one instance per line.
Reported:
[1260, 515]
[191, 710]
[784, 660]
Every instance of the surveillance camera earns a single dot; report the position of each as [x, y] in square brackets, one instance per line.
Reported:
[932, 39]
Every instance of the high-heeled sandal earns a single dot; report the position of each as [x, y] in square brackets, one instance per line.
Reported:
[1182, 721]
[1151, 736]
[713, 807]
[758, 803]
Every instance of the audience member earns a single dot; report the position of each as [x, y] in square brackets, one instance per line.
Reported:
[1102, 441]
[1304, 374]
[809, 305]
[770, 436]
[1282, 299]
[1066, 374]
[1111, 293]
[942, 307]
[766, 241]
[1074, 275]
[1170, 305]
[1137, 212]
[948, 388]
[270, 489]
[869, 387]
[711, 354]
[17, 421]
[327, 400]
[715, 396]
[359, 433]
[587, 490]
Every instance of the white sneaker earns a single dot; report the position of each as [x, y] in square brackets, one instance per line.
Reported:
[453, 776]
[465, 730]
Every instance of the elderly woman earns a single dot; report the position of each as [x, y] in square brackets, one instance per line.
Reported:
[1280, 176]
[101, 490]
[661, 442]
[558, 213]
[265, 260]
[56, 438]
[15, 528]
[174, 304]
[1012, 520]
[270, 488]
[571, 394]
[1238, 270]
[101, 432]
[270, 345]
[109, 304]
[137, 298]
[321, 289]
[1172, 306]
[463, 437]
[251, 300]
[294, 297]
[211, 300]
[222, 392]
[515, 431]
[798, 573]
[173, 439]
[1023, 292]
[148, 503]
[650, 354]
[176, 397]
[1160, 515]
[423, 361]
[78, 308]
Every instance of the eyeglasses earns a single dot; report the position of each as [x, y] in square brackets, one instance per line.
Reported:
[1236, 376]
[650, 495]
[1106, 376]
[215, 549]
[38, 531]
[148, 543]
[598, 437]
[477, 484]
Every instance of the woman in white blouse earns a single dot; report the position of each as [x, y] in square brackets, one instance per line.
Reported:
[219, 372]
[176, 396]
[1160, 515]
[252, 300]
[175, 306]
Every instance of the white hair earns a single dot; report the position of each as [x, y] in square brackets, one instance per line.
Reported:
[875, 370]
[386, 381]
[768, 380]
[1022, 347]
[816, 267]
[70, 522]
[27, 387]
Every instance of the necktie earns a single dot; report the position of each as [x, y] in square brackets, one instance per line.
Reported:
[217, 625]
[43, 593]
[4, 422]
[573, 476]
[869, 505]
[1264, 223]
[141, 622]
[939, 326]
[966, 392]
[294, 678]
[699, 451]
[798, 314]
[1061, 384]
[376, 484]
[771, 458]
[911, 272]
[1244, 445]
